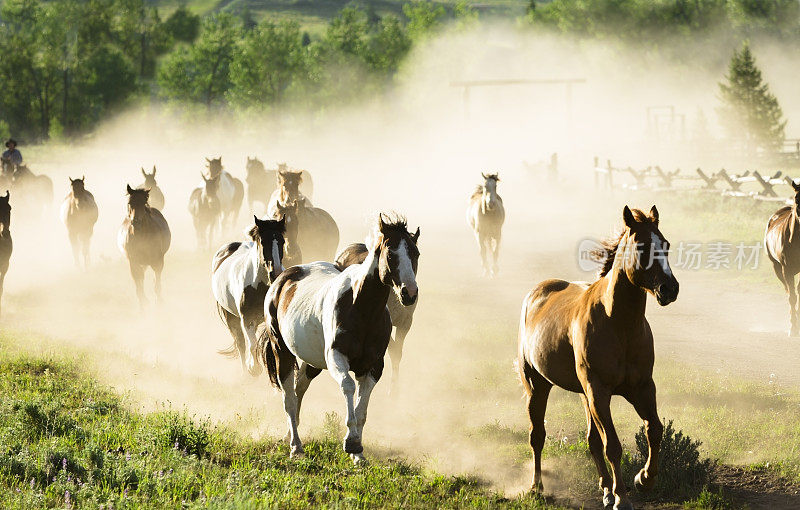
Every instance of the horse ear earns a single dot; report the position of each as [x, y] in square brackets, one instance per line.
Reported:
[627, 216]
[8, 195]
[208, 160]
[483, 175]
[83, 177]
[497, 177]
[796, 186]
[154, 170]
[255, 219]
[654, 214]
[143, 172]
[130, 190]
[415, 236]
[70, 179]
[381, 223]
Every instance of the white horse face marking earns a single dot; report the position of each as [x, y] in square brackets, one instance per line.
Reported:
[276, 257]
[404, 279]
[648, 264]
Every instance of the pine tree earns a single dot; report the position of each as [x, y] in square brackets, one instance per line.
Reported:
[750, 112]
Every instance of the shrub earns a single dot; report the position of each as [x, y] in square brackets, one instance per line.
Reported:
[178, 431]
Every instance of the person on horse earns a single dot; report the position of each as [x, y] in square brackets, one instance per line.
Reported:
[12, 155]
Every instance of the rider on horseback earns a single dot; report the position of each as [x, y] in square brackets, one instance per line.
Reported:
[12, 155]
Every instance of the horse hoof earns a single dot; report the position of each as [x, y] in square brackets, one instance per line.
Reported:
[625, 505]
[608, 499]
[297, 452]
[537, 489]
[358, 459]
[641, 482]
[353, 446]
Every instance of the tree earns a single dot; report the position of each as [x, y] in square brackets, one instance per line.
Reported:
[423, 18]
[182, 25]
[750, 112]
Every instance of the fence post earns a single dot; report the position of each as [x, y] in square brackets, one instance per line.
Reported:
[609, 183]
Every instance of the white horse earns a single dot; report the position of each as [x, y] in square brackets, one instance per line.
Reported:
[230, 193]
[241, 273]
[324, 318]
[485, 216]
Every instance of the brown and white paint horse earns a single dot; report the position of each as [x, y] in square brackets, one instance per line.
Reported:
[144, 239]
[485, 216]
[782, 244]
[402, 316]
[593, 339]
[206, 210]
[311, 233]
[231, 192]
[288, 192]
[79, 215]
[241, 275]
[324, 318]
[6, 244]
[150, 184]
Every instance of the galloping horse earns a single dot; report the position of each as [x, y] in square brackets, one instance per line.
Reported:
[782, 244]
[156, 195]
[231, 192]
[311, 234]
[337, 320]
[144, 239]
[402, 316]
[593, 339]
[486, 215]
[241, 273]
[262, 183]
[6, 244]
[206, 211]
[79, 214]
[34, 191]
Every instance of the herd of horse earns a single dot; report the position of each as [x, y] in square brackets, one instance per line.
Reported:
[295, 307]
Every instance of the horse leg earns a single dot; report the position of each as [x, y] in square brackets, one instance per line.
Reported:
[235, 327]
[644, 401]
[291, 407]
[483, 242]
[396, 355]
[157, 268]
[789, 279]
[137, 272]
[339, 368]
[305, 374]
[364, 385]
[596, 449]
[249, 325]
[2, 281]
[75, 243]
[537, 390]
[496, 254]
[87, 242]
[600, 406]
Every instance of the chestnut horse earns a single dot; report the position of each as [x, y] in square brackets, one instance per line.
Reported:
[6, 244]
[486, 215]
[325, 318]
[241, 275]
[593, 339]
[144, 239]
[79, 214]
[782, 244]
[156, 195]
[288, 191]
[402, 316]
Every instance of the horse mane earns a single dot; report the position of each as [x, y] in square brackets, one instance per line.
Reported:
[477, 192]
[607, 251]
[393, 221]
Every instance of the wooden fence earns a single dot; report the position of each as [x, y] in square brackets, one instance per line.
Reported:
[654, 178]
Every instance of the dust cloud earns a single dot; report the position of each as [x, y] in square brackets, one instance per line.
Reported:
[418, 150]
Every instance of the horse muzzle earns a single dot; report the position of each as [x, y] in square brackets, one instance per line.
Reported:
[666, 293]
[408, 295]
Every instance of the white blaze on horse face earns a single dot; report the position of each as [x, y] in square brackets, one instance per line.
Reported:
[405, 270]
[658, 255]
[276, 257]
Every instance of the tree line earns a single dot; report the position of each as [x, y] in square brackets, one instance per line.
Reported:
[68, 64]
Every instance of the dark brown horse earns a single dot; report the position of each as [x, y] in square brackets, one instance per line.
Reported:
[206, 211]
[402, 316]
[231, 192]
[6, 244]
[311, 233]
[79, 214]
[318, 317]
[782, 244]
[593, 339]
[144, 239]
[156, 195]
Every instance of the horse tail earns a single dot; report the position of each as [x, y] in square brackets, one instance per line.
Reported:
[278, 360]
[269, 359]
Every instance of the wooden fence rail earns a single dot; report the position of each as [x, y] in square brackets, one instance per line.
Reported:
[655, 178]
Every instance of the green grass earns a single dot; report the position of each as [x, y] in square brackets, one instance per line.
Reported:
[67, 442]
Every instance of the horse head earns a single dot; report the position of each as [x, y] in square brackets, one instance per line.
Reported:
[289, 215]
[5, 211]
[289, 183]
[137, 201]
[211, 185]
[269, 237]
[397, 261]
[254, 165]
[643, 252]
[796, 188]
[214, 166]
[149, 179]
[490, 190]
[77, 185]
